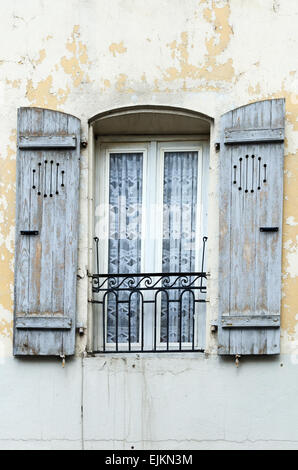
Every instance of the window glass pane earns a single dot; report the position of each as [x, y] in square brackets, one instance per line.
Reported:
[125, 200]
[179, 237]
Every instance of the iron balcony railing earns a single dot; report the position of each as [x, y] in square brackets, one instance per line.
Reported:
[149, 312]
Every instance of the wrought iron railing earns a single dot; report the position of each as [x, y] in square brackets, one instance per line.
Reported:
[149, 312]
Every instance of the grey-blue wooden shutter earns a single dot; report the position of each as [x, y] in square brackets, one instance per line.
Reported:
[48, 167]
[251, 202]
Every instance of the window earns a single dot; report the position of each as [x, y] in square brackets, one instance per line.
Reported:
[150, 215]
[150, 223]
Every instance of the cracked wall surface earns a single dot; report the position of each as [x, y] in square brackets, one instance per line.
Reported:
[84, 57]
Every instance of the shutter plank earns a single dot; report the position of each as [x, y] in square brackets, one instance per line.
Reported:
[36, 126]
[71, 236]
[224, 237]
[40, 301]
[22, 244]
[234, 136]
[250, 321]
[43, 322]
[47, 142]
[59, 226]
[251, 260]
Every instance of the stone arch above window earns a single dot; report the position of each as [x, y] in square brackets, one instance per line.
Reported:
[151, 119]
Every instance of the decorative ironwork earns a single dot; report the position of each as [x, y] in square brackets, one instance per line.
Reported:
[49, 177]
[141, 298]
[248, 173]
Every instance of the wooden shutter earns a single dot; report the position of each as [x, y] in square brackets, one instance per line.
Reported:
[251, 201]
[46, 232]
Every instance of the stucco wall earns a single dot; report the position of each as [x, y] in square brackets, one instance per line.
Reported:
[87, 56]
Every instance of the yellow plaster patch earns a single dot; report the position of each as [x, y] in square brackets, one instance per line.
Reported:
[121, 84]
[43, 96]
[156, 86]
[73, 65]
[290, 247]
[220, 23]
[117, 48]
[254, 90]
[14, 83]
[6, 328]
[291, 221]
[210, 69]
[292, 258]
[13, 136]
[42, 56]
[291, 102]
[7, 229]
[211, 72]
[6, 324]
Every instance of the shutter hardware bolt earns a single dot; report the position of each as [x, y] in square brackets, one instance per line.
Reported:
[80, 329]
[63, 360]
[237, 360]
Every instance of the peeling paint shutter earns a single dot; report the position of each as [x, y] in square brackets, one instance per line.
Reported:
[46, 232]
[251, 201]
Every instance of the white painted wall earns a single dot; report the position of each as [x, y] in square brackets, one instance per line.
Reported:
[174, 402]
[84, 57]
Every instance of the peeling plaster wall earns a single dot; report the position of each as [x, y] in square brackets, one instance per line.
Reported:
[87, 56]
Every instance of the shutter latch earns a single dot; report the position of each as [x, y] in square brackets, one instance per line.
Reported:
[29, 232]
[268, 229]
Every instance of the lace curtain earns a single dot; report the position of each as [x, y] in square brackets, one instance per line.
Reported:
[125, 199]
[178, 249]
[178, 245]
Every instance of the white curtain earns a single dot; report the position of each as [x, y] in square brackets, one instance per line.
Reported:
[125, 199]
[178, 245]
[178, 250]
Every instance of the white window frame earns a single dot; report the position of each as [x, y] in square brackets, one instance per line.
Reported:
[102, 171]
[149, 146]
[162, 148]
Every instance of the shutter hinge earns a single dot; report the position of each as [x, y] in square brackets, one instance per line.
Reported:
[237, 360]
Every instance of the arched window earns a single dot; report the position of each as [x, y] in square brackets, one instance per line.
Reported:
[150, 217]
